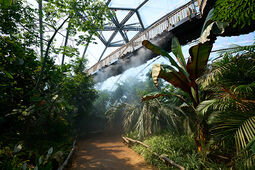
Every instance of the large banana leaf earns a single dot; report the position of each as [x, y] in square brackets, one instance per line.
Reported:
[172, 76]
[208, 21]
[212, 30]
[162, 52]
[176, 49]
[197, 61]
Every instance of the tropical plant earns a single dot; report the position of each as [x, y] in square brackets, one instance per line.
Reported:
[240, 14]
[181, 149]
[230, 104]
[184, 75]
[37, 117]
[86, 16]
[147, 118]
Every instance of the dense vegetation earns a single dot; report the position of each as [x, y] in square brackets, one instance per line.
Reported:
[42, 104]
[214, 104]
[201, 116]
[237, 12]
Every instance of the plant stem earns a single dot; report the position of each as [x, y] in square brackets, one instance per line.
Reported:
[47, 53]
[41, 28]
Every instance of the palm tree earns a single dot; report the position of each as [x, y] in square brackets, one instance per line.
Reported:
[149, 117]
[230, 104]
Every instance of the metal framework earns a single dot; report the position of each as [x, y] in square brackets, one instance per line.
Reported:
[119, 26]
[187, 13]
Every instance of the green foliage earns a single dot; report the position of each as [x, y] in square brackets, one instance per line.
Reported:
[83, 16]
[18, 21]
[180, 149]
[6, 3]
[102, 103]
[238, 12]
[32, 120]
[229, 108]
[186, 75]
[127, 113]
[45, 157]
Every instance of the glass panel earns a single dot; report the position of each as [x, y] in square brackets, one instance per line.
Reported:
[155, 9]
[131, 34]
[121, 14]
[108, 51]
[125, 3]
[118, 37]
[132, 20]
[107, 34]
[94, 51]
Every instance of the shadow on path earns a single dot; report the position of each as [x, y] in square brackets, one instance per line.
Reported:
[107, 152]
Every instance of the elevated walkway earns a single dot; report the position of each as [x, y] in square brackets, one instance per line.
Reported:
[185, 23]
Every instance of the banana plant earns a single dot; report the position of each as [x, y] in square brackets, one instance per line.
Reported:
[181, 74]
[184, 75]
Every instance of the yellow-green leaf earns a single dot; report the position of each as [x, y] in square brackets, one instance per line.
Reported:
[170, 75]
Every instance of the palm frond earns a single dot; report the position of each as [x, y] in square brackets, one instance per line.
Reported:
[231, 124]
[204, 107]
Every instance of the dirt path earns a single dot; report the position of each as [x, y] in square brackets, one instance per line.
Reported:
[107, 152]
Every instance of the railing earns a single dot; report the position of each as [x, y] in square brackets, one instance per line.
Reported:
[166, 23]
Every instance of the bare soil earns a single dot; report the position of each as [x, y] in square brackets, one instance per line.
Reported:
[107, 152]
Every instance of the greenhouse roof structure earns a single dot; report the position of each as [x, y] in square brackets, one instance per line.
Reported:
[130, 18]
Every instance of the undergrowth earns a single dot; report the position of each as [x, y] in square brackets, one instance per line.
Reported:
[45, 155]
[181, 149]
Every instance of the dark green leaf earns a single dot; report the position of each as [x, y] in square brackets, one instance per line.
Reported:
[197, 61]
[176, 49]
[162, 52]
[153, 95]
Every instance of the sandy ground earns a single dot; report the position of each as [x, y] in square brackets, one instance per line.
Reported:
[107, 152]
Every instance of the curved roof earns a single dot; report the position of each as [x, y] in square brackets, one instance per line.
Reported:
[130, 18]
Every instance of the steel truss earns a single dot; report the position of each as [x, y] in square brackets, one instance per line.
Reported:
[119, 26]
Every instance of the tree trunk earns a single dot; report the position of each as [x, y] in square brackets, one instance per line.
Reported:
[41, 28]
[66, 41]
[47, 53]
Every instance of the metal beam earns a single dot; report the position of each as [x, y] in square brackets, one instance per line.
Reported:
[120, 27]
[86, 47]
[141, 5]
[66, 41]
[140, 20]
[107, 3]
[123, 34]
[124, 28]
[116, 45]
[124, 9]
[85, 50]
[101, 38]
[129, 15]
[102, 53]
[117, 42]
